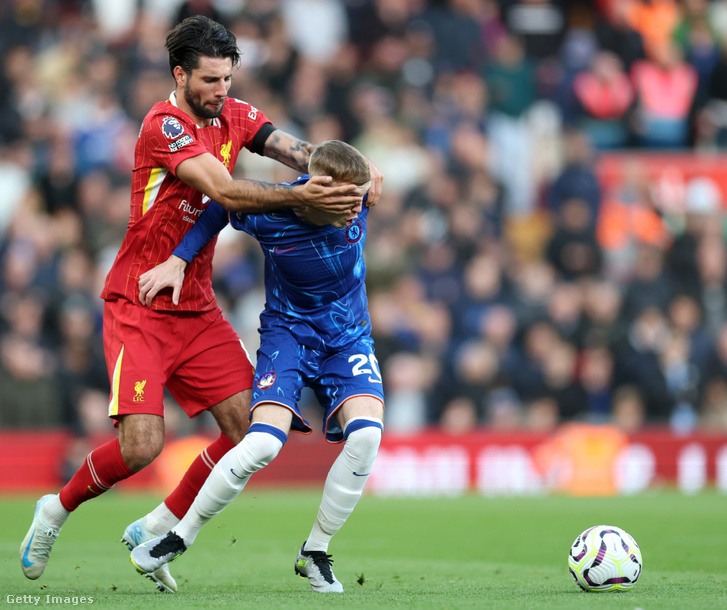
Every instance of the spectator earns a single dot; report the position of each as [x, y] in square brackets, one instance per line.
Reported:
[459, 416]
[699, 45]
[616, 35]
[665, 88]
[560, 381]
[702, 203]
[577, 178]
[503, 410]
[712, 273]
[628, 411]
[629, 221]
[685, 317]
[30, 397]
[655, 20]
[538, 342]
[565, 311]
[483, 289]
[477, 372]
[602, 303]
[573, 250]
[510, 79]
[711, 118]
[650, 286]
[541, 24]
[604, 96]
[596, 377]
[682, 379]
[639, 362]
[407, 381]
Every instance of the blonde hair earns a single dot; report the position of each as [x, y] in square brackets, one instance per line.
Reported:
[341, 161]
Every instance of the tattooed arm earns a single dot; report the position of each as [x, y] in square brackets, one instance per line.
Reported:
[208, 175]
[296, 153]
[289, 150]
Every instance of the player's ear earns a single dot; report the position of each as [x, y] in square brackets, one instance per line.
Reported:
[179, 75]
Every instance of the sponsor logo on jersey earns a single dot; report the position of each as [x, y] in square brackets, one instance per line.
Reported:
[171, 127]
[139, 389]
[354, 232]
[225, 150]
[266, 380]
[185, 206]
[252, 114]
[181, 142]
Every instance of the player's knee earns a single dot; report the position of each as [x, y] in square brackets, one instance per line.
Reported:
[141, 439]
[262, 444]
[363, 437]
[233, 415]
[139, 455]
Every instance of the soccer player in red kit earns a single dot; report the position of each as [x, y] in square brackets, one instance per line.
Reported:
[185, 154]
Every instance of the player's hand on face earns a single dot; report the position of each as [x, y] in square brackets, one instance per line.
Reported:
[377, 180]
[170, 274]
[319, 193]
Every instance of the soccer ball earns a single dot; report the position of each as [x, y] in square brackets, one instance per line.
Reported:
[605, 558]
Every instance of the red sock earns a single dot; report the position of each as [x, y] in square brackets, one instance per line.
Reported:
[179, 501]
[103, 467]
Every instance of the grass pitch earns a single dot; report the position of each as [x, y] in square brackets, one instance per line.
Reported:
[467, 552]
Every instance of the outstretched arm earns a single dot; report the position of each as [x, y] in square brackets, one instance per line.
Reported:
[208, 175]
[296, 153]
[170, 273]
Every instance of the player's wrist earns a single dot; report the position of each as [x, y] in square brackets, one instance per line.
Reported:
[299, 201]
[178, 261]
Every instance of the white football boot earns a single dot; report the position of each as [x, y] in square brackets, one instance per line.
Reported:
[316, 567]
[38, 542]
[154, 555]
[136, 534]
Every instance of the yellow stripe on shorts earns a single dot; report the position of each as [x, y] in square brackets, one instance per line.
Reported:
[114, 403]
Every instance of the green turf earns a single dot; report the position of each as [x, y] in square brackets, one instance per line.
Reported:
[468, 552]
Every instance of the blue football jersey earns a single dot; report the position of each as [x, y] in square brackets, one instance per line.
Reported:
[314, 275]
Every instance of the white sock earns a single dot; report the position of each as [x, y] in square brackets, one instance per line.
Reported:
[229, 477]
[346, 480]
[54, 512]
[160, 520]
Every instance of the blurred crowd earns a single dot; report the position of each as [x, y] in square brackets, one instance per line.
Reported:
[508, 287]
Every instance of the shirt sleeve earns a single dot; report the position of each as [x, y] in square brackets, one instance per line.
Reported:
[209, 224]
[169, 140]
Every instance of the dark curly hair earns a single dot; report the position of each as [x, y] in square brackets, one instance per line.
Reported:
[199, 36]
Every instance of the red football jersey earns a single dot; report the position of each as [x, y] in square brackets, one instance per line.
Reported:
[163, 207]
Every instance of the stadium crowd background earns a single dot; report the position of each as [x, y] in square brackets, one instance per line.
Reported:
[507, 288]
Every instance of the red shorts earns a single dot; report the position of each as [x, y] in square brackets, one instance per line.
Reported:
[198, 357]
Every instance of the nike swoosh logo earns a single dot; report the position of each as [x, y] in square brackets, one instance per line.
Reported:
[284, 250]
[356, 474]
[26, 559]
[235, 475]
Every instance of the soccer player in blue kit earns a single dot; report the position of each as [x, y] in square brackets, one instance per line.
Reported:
[316, 332]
